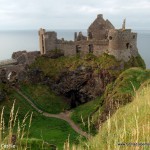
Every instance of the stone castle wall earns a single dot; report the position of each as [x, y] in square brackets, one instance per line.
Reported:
[68, 48]
[50, 40]
[101, 37]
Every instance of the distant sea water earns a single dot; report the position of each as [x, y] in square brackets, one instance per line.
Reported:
[11, 41]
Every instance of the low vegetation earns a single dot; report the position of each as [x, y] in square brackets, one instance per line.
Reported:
[50, 130]
[118, 93]
[44, 98]
[128, 128]
[55, 132]
[83, 115]
[53, 67]
[127, 82]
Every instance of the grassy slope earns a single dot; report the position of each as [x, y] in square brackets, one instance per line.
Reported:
[52, 68]
[82, 114]
[130, 124]
[56, 66]
[120, 91]
[44, 98]
[51, 130]
[126, 84]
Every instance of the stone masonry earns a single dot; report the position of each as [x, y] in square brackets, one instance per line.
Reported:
[102, 37]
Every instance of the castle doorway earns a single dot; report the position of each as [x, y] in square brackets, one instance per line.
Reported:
[91, 48]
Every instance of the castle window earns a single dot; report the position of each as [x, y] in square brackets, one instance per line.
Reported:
[78, 49]
[127, 45]
[110, 37]
[133, 36]
[91, 48]
[90, 35]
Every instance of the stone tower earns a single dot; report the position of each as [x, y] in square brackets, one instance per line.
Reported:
[47, 41]
[122, 44]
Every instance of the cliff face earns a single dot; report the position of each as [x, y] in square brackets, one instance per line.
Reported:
[76, 78]
[80, 85]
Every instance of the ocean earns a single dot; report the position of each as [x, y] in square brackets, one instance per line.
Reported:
[11, 41]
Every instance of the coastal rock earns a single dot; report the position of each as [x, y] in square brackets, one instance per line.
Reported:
[24, 57]
[17, 54]
[79, 79]
[80, 85]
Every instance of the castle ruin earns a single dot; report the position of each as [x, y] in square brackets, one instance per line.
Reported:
[102, 37]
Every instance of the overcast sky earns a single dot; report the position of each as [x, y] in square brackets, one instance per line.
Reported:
[72, 14]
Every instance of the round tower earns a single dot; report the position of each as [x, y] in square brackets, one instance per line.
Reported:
[113, 40]
[121, 43]
[120, 39]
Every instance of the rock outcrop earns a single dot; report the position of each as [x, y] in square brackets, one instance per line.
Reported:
[24, 57]
[78, 79]
[80, 85]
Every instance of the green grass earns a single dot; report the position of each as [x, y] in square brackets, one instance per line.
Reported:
[136, 62]
[136, 76]
[54, 131]
[82, 115]
[54, 67]
[125, 85]
[36, 144]
[44, 98]
[121, 91]
[130, 124]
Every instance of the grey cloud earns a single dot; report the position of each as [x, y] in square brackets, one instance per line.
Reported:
[32, 14]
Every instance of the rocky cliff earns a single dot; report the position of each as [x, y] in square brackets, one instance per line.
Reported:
[79, 79]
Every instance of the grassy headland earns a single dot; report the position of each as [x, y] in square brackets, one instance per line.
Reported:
[55, 131]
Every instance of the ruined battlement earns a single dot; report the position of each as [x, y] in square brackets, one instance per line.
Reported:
[102, 37]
